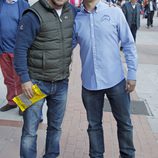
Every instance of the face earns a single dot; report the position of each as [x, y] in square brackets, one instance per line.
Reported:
[90, 1]
[133, 1]
[58, 3]
[9, 1]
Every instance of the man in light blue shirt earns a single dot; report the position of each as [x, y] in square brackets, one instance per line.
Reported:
[99, 28]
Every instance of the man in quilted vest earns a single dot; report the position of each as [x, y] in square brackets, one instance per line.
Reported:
[43, 55]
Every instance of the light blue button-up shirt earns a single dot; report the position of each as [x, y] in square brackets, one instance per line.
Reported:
[99, 34]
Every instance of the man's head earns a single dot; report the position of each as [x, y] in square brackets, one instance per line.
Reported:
[133, 1]
[57, 4]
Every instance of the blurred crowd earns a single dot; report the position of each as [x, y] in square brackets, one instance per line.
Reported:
[147, 8]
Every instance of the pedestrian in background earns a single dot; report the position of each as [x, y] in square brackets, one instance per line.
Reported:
[43, 55]
[131, 11]
[76, 3]
[149, 8]
[10, 14]
[99, 28]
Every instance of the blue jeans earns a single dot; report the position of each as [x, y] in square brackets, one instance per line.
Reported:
[120, 104]
[56, 101]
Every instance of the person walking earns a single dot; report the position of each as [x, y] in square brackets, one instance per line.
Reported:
[10, 15]
[98, 29]
[42, 56]
[149, 8]
[131, 10]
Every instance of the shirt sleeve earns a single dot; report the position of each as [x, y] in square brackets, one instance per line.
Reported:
[28, 29]
[74, 38]
[129, 47]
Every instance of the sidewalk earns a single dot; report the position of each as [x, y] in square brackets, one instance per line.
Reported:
[74, 141]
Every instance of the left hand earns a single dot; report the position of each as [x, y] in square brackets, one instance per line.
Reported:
[130, 85]
[27, 89]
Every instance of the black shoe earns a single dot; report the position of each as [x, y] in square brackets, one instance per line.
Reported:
[20, 113]
[151, 25]
[7, 107]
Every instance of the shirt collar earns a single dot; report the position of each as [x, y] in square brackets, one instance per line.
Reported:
[96, 7]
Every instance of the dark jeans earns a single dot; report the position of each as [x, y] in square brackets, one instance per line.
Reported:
[150, 18]
[56, 101]
[134, 30]
[120, 105]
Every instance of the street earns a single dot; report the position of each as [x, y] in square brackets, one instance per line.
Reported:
[74, 141]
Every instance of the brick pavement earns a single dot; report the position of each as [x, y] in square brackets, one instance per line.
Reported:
[74, 141]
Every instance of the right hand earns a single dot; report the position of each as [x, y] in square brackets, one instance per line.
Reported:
[27, 89]
[130, 85]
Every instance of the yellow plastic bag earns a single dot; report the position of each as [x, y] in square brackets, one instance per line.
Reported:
[24, 102]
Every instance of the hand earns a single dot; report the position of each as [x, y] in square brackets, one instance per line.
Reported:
[130, 85]
[27, 89]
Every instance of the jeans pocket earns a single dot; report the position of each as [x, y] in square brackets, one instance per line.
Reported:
[44, 86]
[62, 85]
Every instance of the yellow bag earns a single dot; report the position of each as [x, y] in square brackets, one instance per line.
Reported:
[24, 102]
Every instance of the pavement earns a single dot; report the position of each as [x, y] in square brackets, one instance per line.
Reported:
[74, 140]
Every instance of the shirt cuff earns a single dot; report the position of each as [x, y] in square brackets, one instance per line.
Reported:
[131, 75]
[25, 78]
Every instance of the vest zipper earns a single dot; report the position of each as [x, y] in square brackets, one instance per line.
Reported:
[60, 20]
[62, 46]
